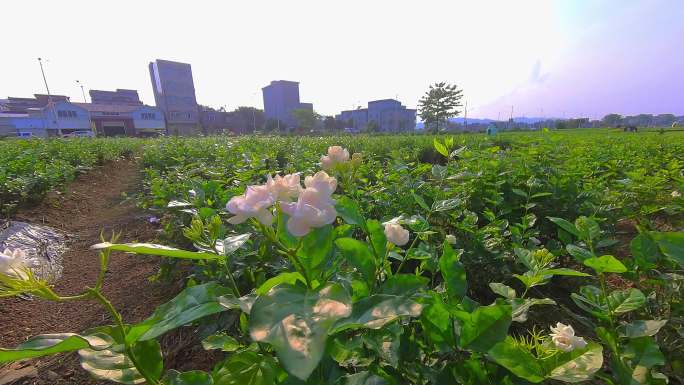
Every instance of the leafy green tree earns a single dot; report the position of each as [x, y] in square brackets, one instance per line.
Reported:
[247, 119]
[307, 119]
[612, 120]
[440, 103]
[371, 126]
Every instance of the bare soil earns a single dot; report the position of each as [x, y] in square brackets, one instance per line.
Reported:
[92, 204]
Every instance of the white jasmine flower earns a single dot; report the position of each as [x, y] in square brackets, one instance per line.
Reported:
[314, 207]
[676, 194]
[451, 239]
[396, 234]
[563, 336]
[192, 194]
[15, 263]
[283, 188]
[322, 182]
[254, 203]
[336, 155]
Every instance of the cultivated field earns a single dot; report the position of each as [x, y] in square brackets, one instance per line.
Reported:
[541, 257]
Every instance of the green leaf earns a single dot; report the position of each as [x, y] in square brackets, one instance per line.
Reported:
[363, 378]
[47, 344]
[502, 290]
[296, 321]
[453, 272]
[645, 251]
[440, 147]
[512, 356]
[350, 212]
[565, 225]
[574, 366]
[246, 368]
[378, 240]
[420, 201]
[286, 277]
[189, 305]
[484, 327]
[519, 192]
[588, 228]
[565, 272]
[403, 284]
[316, 249]
[672, 245]
[378, 310]
[605, 264]
[220, 341]
[385, 343]
[194, 377]
[113, 365]
[359, 255]
[152, 249]
[644, 351]
[446, 204]
[641, 328]
[231, 244]
[626, 300]
[436, 322]
[522, 306]
[579, 253]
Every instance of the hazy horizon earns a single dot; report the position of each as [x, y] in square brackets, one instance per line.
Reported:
[545, 58]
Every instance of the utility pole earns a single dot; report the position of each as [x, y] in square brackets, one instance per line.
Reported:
[465, 117]
[50, 105]
[510, 121]
[82, 91]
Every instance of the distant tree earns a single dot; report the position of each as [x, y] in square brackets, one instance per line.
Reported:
[330, 124]
[371, 126]
[273, 125]
[247, 119]
[612, 120]
[561, 125]
[439, 104]
[307, 119]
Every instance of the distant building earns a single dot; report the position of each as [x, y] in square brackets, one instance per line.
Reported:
[214, 121]
[21, 105]
[174, 94]
[280, 98]
[120, 97]
[125, 120]
[389, 115]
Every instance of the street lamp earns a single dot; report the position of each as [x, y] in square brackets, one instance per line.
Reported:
[82, 91]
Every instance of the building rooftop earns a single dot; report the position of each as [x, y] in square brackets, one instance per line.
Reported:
[124, 108]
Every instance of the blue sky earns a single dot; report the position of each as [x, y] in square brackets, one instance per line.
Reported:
[550, 58]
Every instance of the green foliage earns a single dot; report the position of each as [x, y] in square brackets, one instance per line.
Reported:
[439, 103]
[539, 221]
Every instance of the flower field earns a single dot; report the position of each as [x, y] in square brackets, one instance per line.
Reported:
[545, 257]
[31, 168]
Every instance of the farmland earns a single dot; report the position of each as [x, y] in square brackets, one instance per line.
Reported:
[541, 257]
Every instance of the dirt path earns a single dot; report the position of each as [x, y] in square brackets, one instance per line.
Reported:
[91, 204]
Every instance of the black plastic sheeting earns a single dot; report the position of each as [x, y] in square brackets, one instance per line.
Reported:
[41, 243]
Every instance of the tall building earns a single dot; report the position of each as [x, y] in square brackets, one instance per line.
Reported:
[120, 97]
[174, 94]
[280, 98]
[389, 115]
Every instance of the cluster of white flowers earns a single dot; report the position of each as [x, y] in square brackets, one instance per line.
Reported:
[396, 234]
[336, 155]
[563, 336]
[314, 206]
[309, 207]
[451, 239]
[676, 194]
[15, 263]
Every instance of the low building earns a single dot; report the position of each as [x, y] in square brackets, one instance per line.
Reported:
[120, 96]
[125, 120]
[388, 114]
